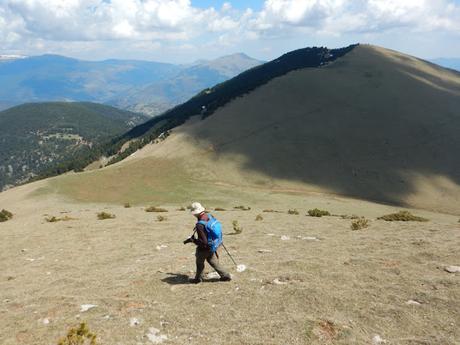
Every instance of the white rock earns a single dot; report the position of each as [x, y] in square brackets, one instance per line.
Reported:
[452, 269]
[162, 246]
[155, 337]
[310, 238]
[241, 268]
[212, 275]
[413, 302]
[86, 307]
[276, 281]
[377, 339]
[270, 234]
[134, 322]
[46, 321]
[285, 238]
[264, 251]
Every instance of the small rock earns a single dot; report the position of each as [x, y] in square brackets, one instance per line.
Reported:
[264, 251]
[377, 339]
[276, 281]
[270, 234]
[162, 246]
[134, 322]
[212, 275]
[452, 269]
[285, 238]
[155, 337]
[241, 268]
[86, 307]
[413, 302]
[46, 321]
[310, 238]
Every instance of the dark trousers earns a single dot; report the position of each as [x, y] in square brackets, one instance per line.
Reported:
[203, 255]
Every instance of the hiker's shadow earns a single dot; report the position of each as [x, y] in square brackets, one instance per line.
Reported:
[180, 279]
[176, 279]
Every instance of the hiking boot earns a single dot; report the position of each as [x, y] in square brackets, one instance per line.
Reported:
[195, 281]
[225, 279]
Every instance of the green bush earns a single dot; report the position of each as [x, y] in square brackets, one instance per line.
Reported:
[318, 213]
[79, 336]
[5, 215]
[360, 223]
[105, 215]
[402, 216]
[155, 209]
[294, 211]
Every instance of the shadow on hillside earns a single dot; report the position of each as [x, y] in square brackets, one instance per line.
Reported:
[367, 129]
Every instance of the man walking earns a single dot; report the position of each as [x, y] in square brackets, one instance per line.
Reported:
[209, 238]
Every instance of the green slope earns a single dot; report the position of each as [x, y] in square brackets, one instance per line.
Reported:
[36, 136]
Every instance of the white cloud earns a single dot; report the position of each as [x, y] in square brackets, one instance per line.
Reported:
[48, 23]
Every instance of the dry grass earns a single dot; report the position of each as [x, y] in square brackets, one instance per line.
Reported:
[155, 209]
[220, 209]
[161, 218]
[182, 208]
[242, 208]
[402, 216]
[318, 213]
[54, 219]
[359, 224]
[259, 217]
[127, 205]
[293, 211]
[237, 228]
[105, 215]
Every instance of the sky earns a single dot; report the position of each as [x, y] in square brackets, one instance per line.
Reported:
[182, 31]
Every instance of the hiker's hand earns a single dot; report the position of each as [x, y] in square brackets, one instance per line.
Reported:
[188, 240]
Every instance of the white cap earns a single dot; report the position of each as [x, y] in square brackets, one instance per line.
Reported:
[197, 208]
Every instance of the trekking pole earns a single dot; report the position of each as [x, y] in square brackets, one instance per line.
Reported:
[223, 245]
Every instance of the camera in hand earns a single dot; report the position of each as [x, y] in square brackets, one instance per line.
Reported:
[188, 240]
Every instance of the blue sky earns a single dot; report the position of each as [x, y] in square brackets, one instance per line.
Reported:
[182, 31]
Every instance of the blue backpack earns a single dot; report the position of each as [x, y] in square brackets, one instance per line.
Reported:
[213, 231]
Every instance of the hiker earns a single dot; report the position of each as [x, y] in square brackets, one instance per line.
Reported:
[208, 240]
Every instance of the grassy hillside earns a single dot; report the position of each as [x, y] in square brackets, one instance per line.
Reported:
[374, 124]
[36, 136]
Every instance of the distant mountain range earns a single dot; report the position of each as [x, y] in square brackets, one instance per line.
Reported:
[452, 63]
[149, 87]
[36, 136]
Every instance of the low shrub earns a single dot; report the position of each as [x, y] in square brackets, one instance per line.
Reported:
[318, 213]
[259, 217]
[161, 218]
[220, 209]
[242, 208]
[5, 215]
[271, 211]
[294, 211]
[402, 216]
[105, 215]
[182, 208]
[53, 219]
[236, 227]
[359, 224]
[155, 209]
[346, 216]
[80, 335]
[127, 205]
